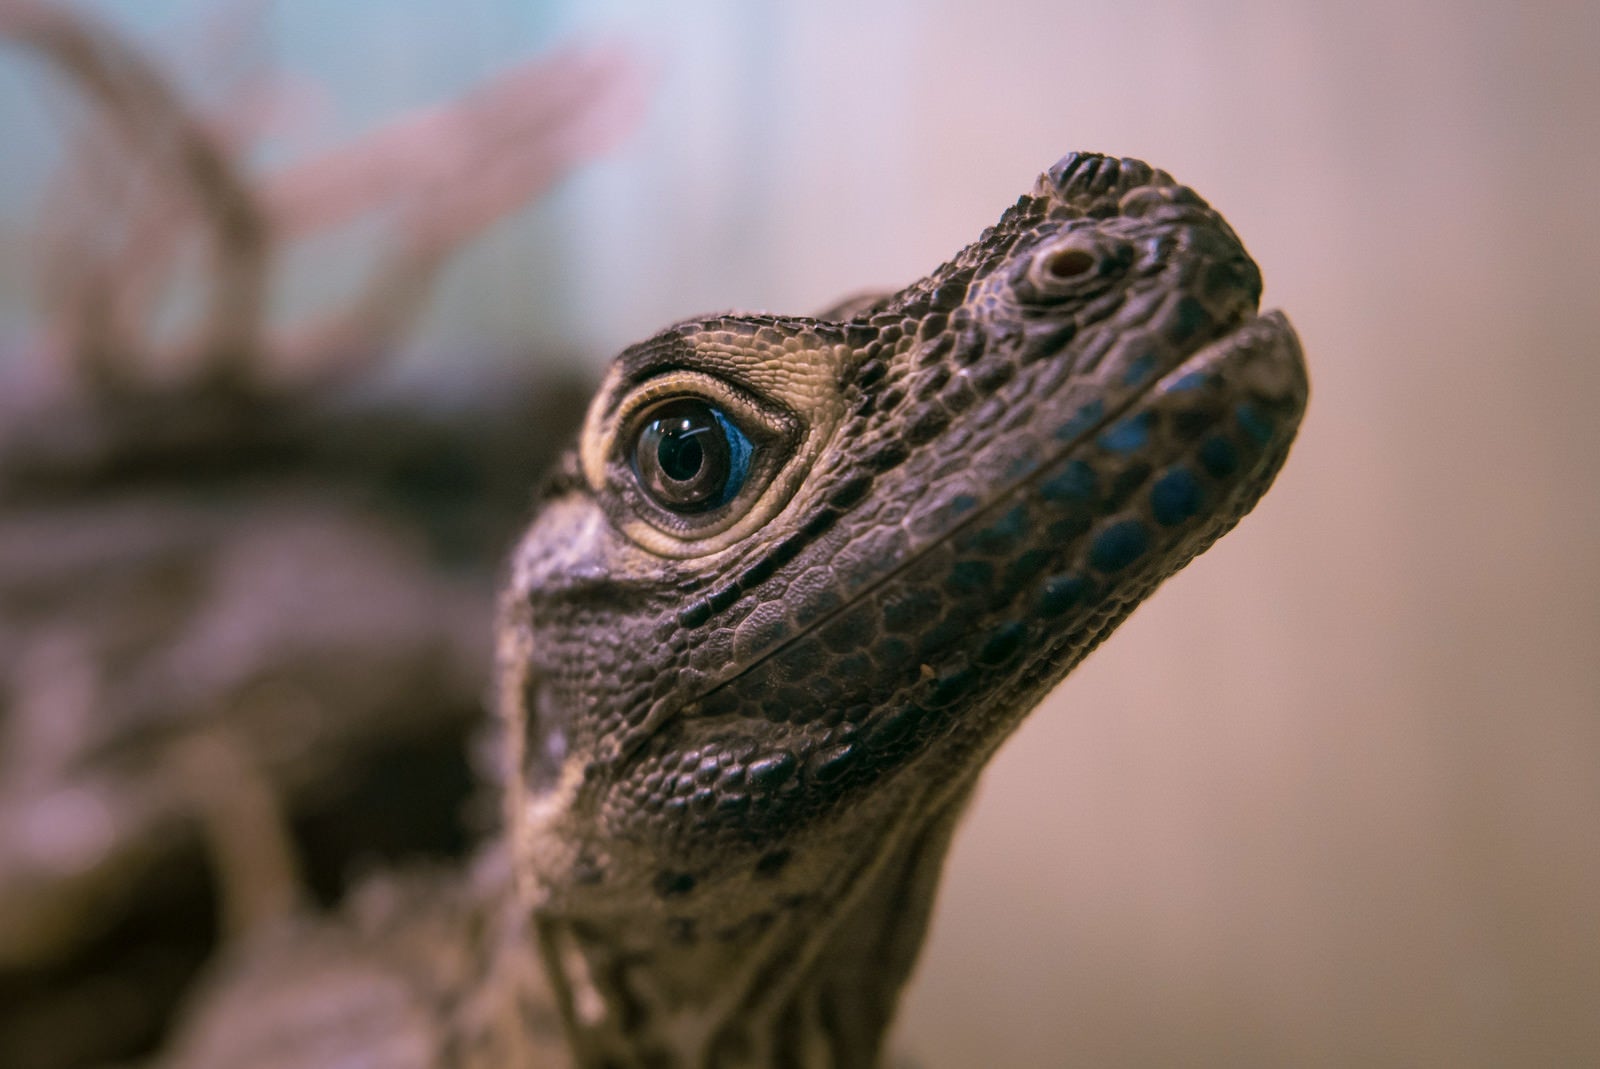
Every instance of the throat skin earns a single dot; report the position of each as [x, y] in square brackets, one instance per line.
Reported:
[810, 983]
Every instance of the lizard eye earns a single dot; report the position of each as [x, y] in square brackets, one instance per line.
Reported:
[694, 462]
[690, 456]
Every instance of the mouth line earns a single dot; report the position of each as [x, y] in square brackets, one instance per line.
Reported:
[1239, 324]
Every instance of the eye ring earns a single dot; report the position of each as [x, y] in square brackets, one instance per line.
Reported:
[688, 512]
[689, 456]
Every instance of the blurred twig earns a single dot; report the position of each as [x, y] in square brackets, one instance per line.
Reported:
[148, 178]
[165, 164]
[446, 173]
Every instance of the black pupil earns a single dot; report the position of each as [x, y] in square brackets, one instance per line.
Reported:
[683, 457]
[678, 450]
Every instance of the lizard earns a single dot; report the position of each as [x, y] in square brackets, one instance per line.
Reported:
[795, 583]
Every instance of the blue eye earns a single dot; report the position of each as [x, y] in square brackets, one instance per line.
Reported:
[690, 457]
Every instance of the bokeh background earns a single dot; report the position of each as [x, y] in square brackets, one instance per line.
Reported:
[1333, 796]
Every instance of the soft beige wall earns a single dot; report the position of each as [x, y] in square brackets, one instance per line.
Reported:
[1333, 796]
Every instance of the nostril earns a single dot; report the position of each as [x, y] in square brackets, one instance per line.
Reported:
[1069, 263]
[1069, 267]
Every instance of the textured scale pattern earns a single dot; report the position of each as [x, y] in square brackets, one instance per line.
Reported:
[739, 736]
[986, 453]
[976, 480]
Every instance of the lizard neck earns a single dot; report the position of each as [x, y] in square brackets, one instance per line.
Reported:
[802, 978]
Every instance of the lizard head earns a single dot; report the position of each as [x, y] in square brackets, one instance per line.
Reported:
[801, 576]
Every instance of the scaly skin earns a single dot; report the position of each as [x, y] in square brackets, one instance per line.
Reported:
[744, 710]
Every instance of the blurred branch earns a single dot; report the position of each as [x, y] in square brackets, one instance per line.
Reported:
[446, 173]
[147, 178]
[146, 147]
